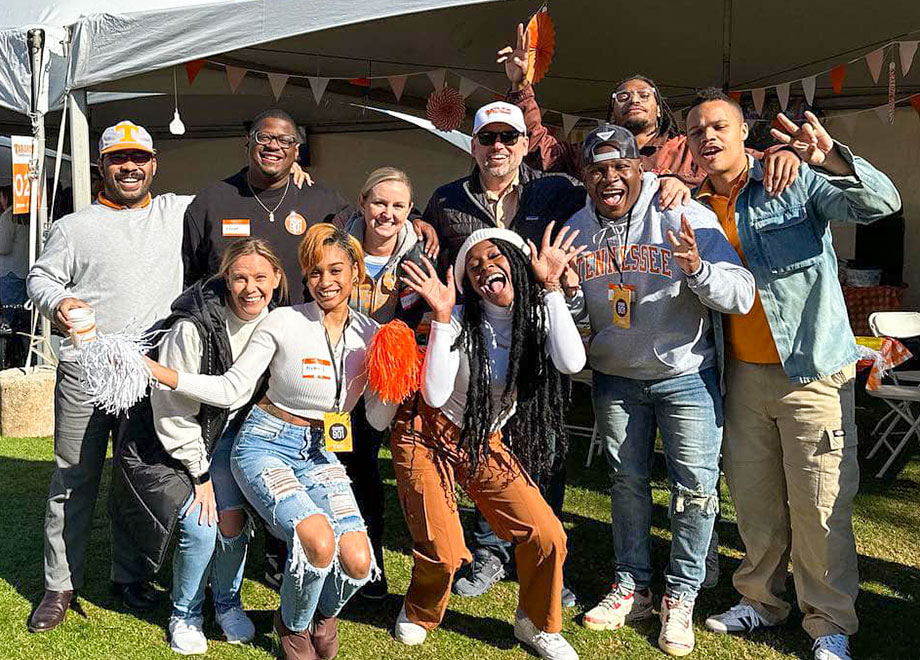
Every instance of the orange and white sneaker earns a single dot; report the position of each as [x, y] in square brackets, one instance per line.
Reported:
[676, 636]
[620, 606]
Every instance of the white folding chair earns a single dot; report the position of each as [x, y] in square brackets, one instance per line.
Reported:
[903, 394]
[594, 447]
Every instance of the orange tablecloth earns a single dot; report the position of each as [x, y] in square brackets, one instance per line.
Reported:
[886, 354]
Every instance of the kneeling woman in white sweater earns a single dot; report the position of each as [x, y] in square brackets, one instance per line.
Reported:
[282, 459]
[493, 363]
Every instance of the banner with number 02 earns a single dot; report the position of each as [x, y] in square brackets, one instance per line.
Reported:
[22, 157]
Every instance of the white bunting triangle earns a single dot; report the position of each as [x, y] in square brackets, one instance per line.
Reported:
[397, 84]
[568, 123]
[277, 82]
[874, 62]
[882, 113]
[782, 91]
[758, 95]
[235, 76]
[808, 84]
[907, 49]
[467, 86]
[437, 78]
[318, 85]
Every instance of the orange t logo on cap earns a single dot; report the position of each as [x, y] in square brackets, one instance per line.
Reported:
[127, 132]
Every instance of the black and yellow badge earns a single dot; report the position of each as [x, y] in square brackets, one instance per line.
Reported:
[620, 299]
[337, 431]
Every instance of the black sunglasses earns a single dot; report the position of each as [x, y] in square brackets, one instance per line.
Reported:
[136, 157]
[507, 138]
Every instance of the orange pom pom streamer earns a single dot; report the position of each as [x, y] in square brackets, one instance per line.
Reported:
[394, 363]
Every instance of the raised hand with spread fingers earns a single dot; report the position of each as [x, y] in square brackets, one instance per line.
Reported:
[515, 59]
[685, 251]
[554, 256]
[812, 143]
[425, 282]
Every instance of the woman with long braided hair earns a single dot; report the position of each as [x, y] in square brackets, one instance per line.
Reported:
[491, 364]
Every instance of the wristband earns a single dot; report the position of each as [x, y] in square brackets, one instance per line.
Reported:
[201, 479]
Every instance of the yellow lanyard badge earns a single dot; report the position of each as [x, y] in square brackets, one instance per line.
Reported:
[621, 300]
[337, 431]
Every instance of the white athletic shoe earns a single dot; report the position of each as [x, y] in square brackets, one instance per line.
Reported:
[740, 618]
[186, 636]
[618, 607]
[238, 628]
[832, 647]
[407, 632]
[549, 646]
[676, 636]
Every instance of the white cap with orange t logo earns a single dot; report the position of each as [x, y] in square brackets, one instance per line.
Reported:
[125, 135]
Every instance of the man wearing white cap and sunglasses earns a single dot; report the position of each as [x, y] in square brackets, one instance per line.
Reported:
[121, 258]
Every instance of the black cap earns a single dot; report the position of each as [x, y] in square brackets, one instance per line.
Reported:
[612, 135]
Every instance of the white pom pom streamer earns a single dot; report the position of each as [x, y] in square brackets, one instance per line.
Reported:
[114, 373]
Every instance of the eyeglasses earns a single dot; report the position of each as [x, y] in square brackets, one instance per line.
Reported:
[626, 96]
[507, 138]
[136, 157]
[284, 141]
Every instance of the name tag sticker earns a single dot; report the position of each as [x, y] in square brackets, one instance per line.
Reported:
[337, 431]
[235, 227]
[317, 368]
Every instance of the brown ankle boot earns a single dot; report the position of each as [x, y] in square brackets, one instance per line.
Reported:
[294, 645]
[51, 611]
[325, 636]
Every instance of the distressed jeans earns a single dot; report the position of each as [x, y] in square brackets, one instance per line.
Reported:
[287, 475]
[205, 555]
[688, 412]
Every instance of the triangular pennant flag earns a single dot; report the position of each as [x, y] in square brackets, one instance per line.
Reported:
[397, 84]
[277, 81]
[758, 96]
[808, 84]
[782, 91]
[568, 123]
[882, 113]
[874, 62]
[467, 86]
[360, 82]
[318, 85]
[235, 76]
[437, 78]
[193, 68]
[838, 73]
[907, 49]
[915, 102]
[736, 96]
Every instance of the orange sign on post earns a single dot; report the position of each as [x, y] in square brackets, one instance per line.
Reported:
[21, 148]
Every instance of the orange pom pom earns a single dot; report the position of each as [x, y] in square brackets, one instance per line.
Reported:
[394, 364]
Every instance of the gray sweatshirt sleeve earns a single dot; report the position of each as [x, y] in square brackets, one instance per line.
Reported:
[175, 415]
[722, 283]
[52, 272]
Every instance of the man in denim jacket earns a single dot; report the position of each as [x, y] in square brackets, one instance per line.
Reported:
[789, 459]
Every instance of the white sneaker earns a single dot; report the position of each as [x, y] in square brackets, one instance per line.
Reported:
[618, 607]
[832, 647]
[186, 636]
[549, 646]
[238, 628]
[740, 618]
[676, 636]
[407, 632]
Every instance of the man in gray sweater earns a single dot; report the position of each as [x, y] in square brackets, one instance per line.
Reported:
[121, 257]
[655, 282]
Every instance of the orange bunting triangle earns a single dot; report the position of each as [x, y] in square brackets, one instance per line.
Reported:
[915, 102]
[192, 69]
[838, 73]
[736, 96]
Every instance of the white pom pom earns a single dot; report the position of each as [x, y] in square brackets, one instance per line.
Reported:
[114, 373]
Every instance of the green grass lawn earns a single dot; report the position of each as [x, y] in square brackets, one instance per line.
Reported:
[887, 531]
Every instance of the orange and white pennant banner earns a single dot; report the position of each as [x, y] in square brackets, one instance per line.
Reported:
[907, 49]
[838, 74]
[758, 95]
[874, 62]
[568, 123]
[437, 78]
[277, 82]
[235, 76]
[808, 84]
[397, 84]
[318, 85]
[782, 91]
[467, 86]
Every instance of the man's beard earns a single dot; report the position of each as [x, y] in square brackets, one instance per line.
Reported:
[500, 170]
[637, 126]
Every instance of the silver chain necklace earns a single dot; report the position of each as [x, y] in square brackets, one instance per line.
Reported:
[271, 212]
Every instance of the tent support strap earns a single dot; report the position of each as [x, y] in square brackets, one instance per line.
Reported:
[79, 149]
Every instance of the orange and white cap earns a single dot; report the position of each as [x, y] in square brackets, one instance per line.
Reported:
[125, 135]
[499, 112]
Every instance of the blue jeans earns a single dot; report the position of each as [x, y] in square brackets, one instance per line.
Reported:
[287, 476]
[203, 553]
[688, 411]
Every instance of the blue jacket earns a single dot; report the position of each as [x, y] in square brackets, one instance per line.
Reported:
[787, 245]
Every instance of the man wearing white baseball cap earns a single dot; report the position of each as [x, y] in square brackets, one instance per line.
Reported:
[121, 258]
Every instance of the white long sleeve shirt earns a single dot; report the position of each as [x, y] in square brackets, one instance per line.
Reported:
[291, 342]
[446, 372]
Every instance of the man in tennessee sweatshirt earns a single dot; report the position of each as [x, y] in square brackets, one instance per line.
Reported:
[655, 283]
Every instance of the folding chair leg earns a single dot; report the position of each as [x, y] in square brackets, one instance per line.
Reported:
[595, 446]
[897, 450]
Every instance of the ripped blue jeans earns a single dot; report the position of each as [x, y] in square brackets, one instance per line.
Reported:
[688, 411]
[287, 475]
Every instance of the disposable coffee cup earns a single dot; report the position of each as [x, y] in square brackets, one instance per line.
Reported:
[82, 325]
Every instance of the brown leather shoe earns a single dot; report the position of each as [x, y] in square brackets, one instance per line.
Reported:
[294, 645]
[51, 611]
[325, 636]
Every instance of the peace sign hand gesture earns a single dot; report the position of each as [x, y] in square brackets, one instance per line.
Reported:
[515, 59]
[811, 142]
[439, 296]
[554, 256]
[685, 251]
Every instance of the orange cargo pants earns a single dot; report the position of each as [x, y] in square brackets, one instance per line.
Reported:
[428, 465]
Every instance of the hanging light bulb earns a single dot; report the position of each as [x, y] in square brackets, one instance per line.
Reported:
[176, 127]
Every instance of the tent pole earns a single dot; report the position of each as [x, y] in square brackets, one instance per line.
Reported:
[726, 44]
[79, 150]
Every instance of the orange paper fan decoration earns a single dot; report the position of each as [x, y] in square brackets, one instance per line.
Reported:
[541, 46]
[446, 109]
[394, 364]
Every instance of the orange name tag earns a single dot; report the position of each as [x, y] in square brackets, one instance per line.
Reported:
[337, 431]
[317, 368]
[235, 227]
